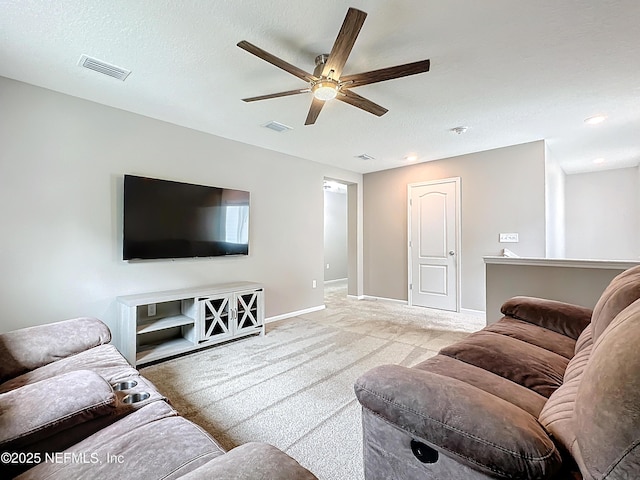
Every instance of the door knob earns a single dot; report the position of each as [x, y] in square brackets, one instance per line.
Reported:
[451, 252]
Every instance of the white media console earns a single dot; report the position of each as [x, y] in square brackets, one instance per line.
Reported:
[157, 325]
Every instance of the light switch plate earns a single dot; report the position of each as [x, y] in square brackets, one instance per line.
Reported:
[509, 238]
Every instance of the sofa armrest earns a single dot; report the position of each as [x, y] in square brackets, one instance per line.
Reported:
[251, 461]
[32, 347]
[33, 413]
[461, 421]
[561, 317]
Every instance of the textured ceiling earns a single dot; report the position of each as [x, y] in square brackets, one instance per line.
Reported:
[513, 71]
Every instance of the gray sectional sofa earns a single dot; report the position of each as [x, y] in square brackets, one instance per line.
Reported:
[72, 407]
[551, 391]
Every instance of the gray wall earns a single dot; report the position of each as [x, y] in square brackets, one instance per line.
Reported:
[62, 160]
[580, 286]
[335, 235]
[602, 214]
[503, 190]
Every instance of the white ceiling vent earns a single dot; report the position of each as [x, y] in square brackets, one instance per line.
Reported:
[103, 67]
[277, 126]
[364, 156]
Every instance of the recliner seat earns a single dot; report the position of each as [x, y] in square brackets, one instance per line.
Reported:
[547, 392]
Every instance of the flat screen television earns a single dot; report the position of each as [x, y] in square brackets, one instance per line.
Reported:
[165, 219]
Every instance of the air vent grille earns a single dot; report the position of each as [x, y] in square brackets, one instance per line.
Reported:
[277, 126]
[364, 156]
[103, 67]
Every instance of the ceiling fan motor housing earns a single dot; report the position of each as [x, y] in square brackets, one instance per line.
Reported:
[325, 88]
[320, 61]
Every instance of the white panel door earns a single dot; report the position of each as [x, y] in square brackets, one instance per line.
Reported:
[433, 244]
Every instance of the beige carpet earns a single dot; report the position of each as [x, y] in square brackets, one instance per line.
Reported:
[293, 387]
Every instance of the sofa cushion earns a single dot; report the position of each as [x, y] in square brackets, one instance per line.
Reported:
[607, 402]
[564, 318]
[32, 347]
[251, 461]
[623, 290]
[557, 416]
[40, 410]
[522, 397]
[577, 364]
[152, 442]
[528, 365]
[105, 360]
[539, 336]
[585, 339]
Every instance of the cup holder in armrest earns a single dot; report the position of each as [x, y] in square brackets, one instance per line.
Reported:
[129, 384]
[136, 397]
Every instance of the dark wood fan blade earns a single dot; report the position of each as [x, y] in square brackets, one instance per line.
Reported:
[278, 62]
[314, 111]
[352, 98]
[276, 95]
[344, 43]
[383, 74]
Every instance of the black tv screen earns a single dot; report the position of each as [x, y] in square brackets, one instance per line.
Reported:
[165, 219]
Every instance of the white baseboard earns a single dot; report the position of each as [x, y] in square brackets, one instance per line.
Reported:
[384, 299]
[328, 282]
[357, 297]
[466, 311]
[294, 314]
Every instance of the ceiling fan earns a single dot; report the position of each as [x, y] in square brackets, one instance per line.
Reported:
[327, 81]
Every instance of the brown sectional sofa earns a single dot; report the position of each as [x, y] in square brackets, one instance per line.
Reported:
[551, 391]
[72, 407]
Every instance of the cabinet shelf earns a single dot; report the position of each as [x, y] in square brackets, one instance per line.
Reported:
[162, 323]
[157, 351]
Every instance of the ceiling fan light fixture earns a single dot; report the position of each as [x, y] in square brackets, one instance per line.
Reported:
[325, 89]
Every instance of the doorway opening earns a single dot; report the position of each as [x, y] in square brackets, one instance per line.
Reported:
[340, 237]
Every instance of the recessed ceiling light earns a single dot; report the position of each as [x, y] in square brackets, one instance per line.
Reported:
[598, 160]
[460, 130]
[364, 156]
[596, 119]
[412, 157]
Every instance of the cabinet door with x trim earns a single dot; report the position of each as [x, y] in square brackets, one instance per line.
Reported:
[216, 317]
[224, 316]
[248, 312]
